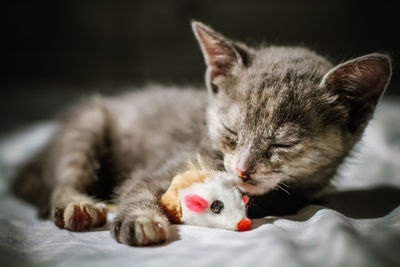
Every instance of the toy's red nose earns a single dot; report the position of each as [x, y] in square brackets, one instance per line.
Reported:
[244, 224]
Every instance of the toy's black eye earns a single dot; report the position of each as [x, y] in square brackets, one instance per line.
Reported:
[217, 206]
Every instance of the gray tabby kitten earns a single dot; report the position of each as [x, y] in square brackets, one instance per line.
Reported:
[276, 117]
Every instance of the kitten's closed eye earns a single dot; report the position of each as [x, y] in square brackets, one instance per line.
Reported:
[284, 145]
[230, 138]
[232, 132]
[279, 147]
[230, 142]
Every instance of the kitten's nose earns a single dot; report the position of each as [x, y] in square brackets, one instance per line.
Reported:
[244, 174]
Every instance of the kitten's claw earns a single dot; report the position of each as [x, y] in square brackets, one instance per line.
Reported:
[80, 216]
[140, 230]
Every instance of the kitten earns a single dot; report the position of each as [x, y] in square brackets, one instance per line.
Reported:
[282, 119]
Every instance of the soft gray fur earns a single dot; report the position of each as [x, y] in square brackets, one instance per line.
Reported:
[277, 117]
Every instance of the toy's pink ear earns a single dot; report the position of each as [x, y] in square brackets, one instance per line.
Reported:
[195, 202]
[245, 199]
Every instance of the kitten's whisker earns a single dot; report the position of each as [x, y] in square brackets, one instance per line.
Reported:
[285, 185]
[283, 189]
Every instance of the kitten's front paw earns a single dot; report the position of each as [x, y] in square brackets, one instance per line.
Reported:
[140, 229]
[81, 216]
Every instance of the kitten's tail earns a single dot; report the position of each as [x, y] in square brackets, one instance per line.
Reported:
[28, 184]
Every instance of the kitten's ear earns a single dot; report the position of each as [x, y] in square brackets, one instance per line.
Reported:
[357, 85]
[221, 54]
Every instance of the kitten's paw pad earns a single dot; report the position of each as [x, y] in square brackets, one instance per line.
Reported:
[140, 230]
[81, 216]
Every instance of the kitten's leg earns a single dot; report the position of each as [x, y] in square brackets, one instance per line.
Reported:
[73, 159]
[140, 220]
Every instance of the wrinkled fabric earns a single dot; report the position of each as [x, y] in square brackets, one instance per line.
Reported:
[358, 226]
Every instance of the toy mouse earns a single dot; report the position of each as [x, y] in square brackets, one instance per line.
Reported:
[205, 198]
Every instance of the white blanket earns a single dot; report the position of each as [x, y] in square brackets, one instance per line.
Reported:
[360, 226]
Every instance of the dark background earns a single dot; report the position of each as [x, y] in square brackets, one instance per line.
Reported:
[56, 51]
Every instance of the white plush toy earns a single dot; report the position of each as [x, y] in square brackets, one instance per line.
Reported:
[206, 198]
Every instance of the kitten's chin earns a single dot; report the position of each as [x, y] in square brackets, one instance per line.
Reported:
[255, 187]
[252, 189]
